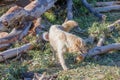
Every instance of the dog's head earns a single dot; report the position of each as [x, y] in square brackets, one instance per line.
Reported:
[68, 25]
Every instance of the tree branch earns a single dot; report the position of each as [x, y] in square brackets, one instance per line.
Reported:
[110, 3]
[112, 26]
[108, 8]
[69, 10]
[14, 36]
[33, 10]
[93, 11]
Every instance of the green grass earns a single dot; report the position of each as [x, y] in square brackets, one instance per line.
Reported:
[41, 60]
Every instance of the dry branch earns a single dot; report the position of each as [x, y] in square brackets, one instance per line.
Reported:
[104, 49]
[110, 3]
[108, 8]
[4, 46]
[69, 10]
[93, 11]
[14, 36]
[112, 26]
[33, 10]
[14, 52]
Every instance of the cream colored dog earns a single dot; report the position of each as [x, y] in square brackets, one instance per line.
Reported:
[63, 42]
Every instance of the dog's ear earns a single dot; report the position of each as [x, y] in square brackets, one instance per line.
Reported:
[45, 36]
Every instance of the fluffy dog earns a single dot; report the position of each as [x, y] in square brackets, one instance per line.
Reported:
[62, 41]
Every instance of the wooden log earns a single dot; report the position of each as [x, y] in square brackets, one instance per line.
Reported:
[69, 10]
[93, 11]
[4, 46]
[33, 10]
[14, 36]
[110, 3]
[16, 51]
[103, 49]
[108, 8]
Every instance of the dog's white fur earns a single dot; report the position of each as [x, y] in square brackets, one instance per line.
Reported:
[62, 41]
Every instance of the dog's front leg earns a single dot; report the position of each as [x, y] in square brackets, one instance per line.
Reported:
[62, 61]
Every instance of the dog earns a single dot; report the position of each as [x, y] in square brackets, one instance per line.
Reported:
[62, 41]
